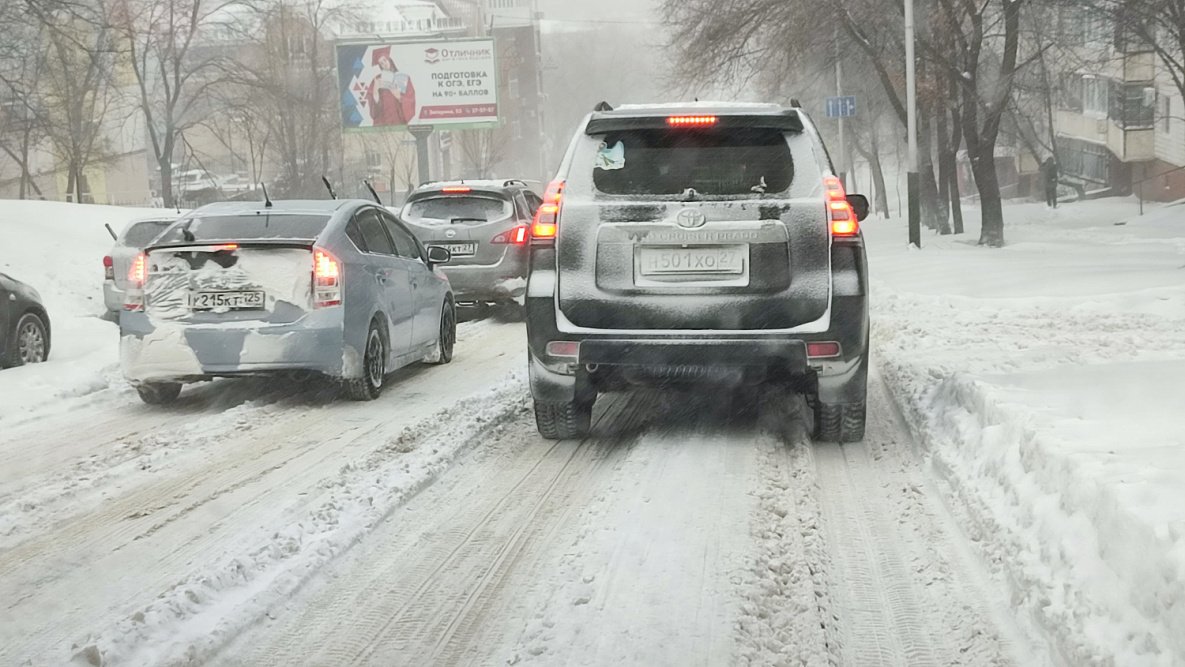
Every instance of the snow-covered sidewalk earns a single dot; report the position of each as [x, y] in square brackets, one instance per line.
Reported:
[1046, 382]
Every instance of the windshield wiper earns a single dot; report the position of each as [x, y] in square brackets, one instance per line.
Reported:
[690, 195]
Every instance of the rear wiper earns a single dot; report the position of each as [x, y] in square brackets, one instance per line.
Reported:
[456, 220]
[690, 195]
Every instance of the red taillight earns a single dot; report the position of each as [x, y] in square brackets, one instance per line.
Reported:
[692, 121]
[457, 189]
[137, 277]
[547, 218]
[108, 268]
[839, 212]
[327, 287]
[823, 350]
[516, 236]
[563, 348]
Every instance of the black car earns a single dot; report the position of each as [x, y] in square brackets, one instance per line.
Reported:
[485, 225]
[24, 324]
[705, 243]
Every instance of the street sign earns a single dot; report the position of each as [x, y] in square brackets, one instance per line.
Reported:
[841, 107]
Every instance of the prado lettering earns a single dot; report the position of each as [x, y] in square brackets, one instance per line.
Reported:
[396, 85]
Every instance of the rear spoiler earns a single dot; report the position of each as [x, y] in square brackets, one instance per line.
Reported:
[205, 246]
[788, 121]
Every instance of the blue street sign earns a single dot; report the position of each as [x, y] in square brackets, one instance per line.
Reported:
[841, 107]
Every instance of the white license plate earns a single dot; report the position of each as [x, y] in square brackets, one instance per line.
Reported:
[657, 260]
[459, 249]
[229, 300]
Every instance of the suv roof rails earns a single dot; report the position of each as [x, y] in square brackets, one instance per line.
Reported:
[515, 181]
[603, 106]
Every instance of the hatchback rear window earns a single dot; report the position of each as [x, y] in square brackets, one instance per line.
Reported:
[139, 234]
[246, 228]
[711, 162]
[462, 209]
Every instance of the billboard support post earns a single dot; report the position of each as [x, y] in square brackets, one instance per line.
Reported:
[421, 133]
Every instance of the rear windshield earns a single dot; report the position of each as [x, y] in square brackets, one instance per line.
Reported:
[464, 210]
[139, 234]
[711, 162]
[246, 227]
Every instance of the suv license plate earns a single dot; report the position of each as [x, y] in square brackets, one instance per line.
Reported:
[229, 300]
[657, 260]
[459, 249]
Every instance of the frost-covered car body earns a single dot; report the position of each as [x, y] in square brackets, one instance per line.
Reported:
[128, 244]
[243, 288]
[697, 242]
[24, 324]
[485, 226]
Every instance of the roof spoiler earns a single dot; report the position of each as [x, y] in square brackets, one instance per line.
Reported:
[788, 121]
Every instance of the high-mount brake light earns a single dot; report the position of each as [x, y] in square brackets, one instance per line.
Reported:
[515, 236]
[226, 246]
[457, 189]
[840, 215]
[692, 121]
[108, 268]
[327, 280]
[137, 277]
[546, 224]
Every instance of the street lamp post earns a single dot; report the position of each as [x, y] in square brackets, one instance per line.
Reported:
[911, 95]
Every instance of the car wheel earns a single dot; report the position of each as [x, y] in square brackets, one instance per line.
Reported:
[563, 421]
[374, 368]
[839, 422]
[31, 342]
[159, 393]
[447, 339]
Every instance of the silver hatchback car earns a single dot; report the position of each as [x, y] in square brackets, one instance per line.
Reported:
[336, 287]
[128, 243]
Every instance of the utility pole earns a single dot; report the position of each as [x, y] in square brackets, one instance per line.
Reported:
[911, 93]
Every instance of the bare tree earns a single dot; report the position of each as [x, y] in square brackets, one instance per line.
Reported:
[22, 64]
[481, 150]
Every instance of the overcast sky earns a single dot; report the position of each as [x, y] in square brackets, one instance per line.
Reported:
[607, 11]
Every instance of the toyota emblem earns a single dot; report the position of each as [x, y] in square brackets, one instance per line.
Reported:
[450, 233]
[691, 218]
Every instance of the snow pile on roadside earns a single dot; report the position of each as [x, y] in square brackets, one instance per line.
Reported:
[190, 622]
[58, 249]
[1045, 380]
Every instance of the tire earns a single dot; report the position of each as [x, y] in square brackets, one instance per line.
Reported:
[29, 343]
[374, 368]
[839, 422]
[159, 393]
[447, 338]
[563, 421]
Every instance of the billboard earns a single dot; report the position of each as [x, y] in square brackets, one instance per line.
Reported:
[439, 83]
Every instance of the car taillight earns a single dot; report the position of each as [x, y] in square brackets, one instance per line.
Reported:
[840, 214]
[108, 268]
[137, 277]
[547, 218]
[824, 350]
[457, 189]
[516, 236]
[327, 280]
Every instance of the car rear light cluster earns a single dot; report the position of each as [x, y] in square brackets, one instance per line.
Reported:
[842, 217]
[108, 268]
[547, 218]
[564, 349]
[516, 236]
[692, 121]
[823, 350]
[137, 277]
[327, 280]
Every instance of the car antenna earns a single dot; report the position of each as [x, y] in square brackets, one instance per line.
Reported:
[114, 236]
[329, 186]
[373, 193]
[267, 201]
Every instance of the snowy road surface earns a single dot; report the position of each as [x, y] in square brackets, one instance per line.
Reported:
[292, 529]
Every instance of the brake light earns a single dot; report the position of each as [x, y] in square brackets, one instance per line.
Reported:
[516, 236]
[839, 212]
[137, 277]
[692, 121]
[327, 283]
[457, 189]
[547, 218]
[824, 350]
[108, 268]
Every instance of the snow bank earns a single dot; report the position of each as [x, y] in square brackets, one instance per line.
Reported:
[58, 249]
[1044, 380]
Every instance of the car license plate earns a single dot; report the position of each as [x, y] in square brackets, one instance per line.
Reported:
[659, 260]
[228, 300]
[459, 249]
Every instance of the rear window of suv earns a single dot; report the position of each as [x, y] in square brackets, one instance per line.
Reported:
[463, 209]
[246, 228]
[139, 234]
[711, 162]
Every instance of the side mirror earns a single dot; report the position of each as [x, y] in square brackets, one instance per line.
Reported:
[438, 255]
[859, 204]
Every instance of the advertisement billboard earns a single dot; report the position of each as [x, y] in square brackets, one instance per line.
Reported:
[438, 83]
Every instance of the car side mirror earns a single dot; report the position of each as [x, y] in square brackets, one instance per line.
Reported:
[438, 255]
[859, 204]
